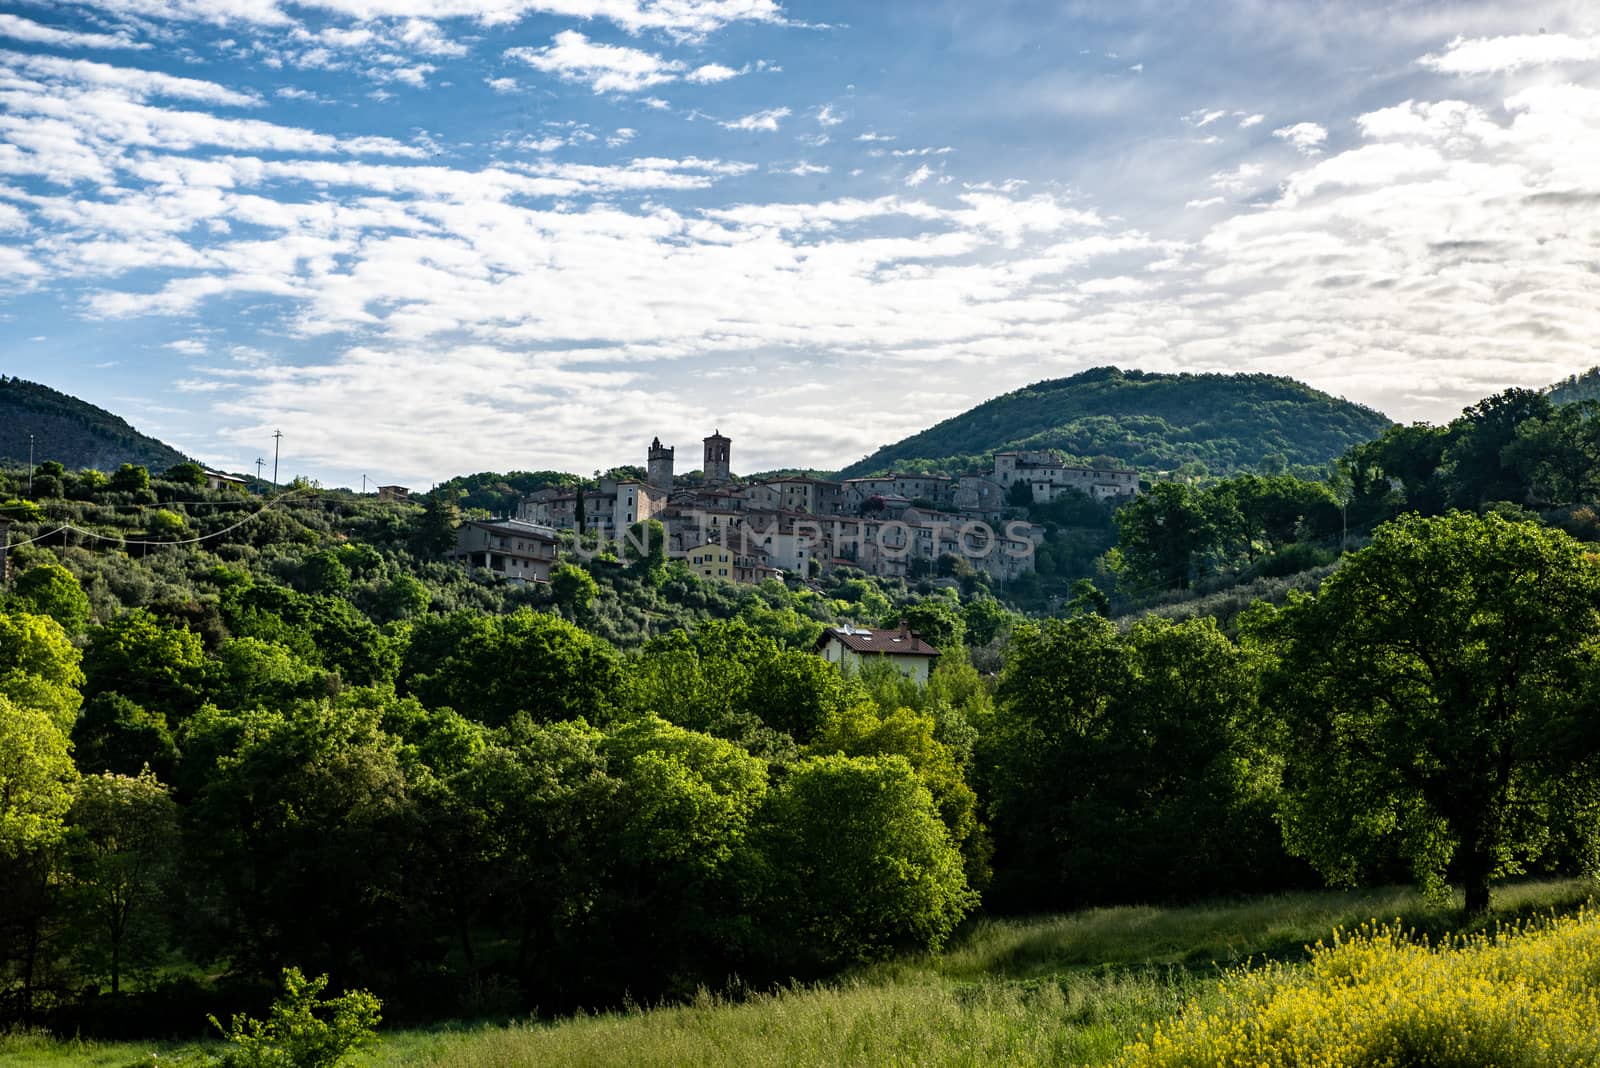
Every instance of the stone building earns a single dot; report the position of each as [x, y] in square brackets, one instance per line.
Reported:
[511, 548]
[659, 465]
[851, 647]
[716, 466]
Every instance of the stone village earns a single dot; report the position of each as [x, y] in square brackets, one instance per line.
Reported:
[727, 529]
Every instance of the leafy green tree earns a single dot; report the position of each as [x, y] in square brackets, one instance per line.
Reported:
[573, 588]
[858, 863]
[1088, 598]
[300, 823]
[114, 734]
[304, 1029]
[253, 673]
[937, 622]
[645, 546]
[689, 799]
[435, 531]
[39, 666]
[51, 590]
[986, 620]
[130, 478]
[166, 525]
[122, 855]
[1123, 766]
[403, 597]
[1162, 539]
[186, 474]
[324, 572]
[37, 779]
[1433, 701]
[159, 666]
[527, 661]
[860, 730]
[1476, 460]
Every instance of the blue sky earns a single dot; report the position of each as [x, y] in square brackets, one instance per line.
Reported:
[424, 237]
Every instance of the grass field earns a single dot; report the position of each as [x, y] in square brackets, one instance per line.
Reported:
[1070, 989]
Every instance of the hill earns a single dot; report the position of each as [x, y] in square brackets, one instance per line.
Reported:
[1153, 422]
[72, 432]
[1576, 388]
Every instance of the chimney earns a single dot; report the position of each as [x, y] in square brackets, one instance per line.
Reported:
[905, 631]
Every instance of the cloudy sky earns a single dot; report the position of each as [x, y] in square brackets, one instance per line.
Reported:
[424, 237]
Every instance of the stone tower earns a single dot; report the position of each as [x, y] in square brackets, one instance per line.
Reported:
[716, 464]
[660, 468]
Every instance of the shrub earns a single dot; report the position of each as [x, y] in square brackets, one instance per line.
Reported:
[1527, 997]
[303, 1029]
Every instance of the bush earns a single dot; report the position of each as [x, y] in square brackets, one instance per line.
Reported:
[303, 1030]
[1527, 997]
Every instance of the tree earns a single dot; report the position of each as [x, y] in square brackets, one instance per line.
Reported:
[304, 1030]
[1162, 539]
[1434, 701]
[166, 525]
[122, 855]
[39, 666]
[1120, 765]
[157, 665]
[573, 588]
[130, 478]
[324, 572]
[36, 779]
[404, 597]
[186, 474]
[114, 734]
[859, 863]
[435, 531]
[51, 590]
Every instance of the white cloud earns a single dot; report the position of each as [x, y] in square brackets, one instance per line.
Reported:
[604, 68]
[872, 136]
[761, 120]
[502, 85]
[943, 150]
[684, 19]
[1498, 55]
[804, 169]
[655, 103]
[1307, 137]
[138, 83]
[1204, 117]
[1251, 120]
[21, 29]
[918, 176]
[710, 73]
[622, 136]
[1238, 180]
[826, 116]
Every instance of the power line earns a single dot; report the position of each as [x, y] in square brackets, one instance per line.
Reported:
[273, 503]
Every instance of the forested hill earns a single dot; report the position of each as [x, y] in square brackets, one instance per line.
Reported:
[1154, 422]
[72, 432]
[1576, 388]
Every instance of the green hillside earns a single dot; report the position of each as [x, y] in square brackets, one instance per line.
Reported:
[1153, 422]
[73, 432]
[1576, 388]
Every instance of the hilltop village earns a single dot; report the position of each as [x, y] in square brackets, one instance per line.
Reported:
[746, 531]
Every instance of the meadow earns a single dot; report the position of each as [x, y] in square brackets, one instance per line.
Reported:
[1080, 988]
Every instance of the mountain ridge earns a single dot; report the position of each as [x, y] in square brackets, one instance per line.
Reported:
[72, 431]
[1146, 420]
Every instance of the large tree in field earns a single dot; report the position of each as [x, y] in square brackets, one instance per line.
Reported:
[1436, 701]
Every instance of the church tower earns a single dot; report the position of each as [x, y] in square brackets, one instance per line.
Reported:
[660, 466]
[716, 464]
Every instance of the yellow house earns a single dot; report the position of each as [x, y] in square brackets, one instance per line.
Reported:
[850, 647]
[711, 561]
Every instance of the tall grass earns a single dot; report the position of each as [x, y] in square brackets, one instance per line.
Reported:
[1071, 989]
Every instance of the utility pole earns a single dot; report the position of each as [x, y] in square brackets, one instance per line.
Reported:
[30, 465]
[277, 436]
[363, 485]
[259, 464]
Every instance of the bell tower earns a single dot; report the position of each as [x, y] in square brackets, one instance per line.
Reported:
[660, 466]
[716, 462]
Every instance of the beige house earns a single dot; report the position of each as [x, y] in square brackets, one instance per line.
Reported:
[1049, 478]
[851, 647]
[394, 493]
[519, 551]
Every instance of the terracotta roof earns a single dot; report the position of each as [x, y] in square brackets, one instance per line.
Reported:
[885, 641]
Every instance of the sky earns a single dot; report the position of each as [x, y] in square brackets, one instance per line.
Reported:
[431, 237]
